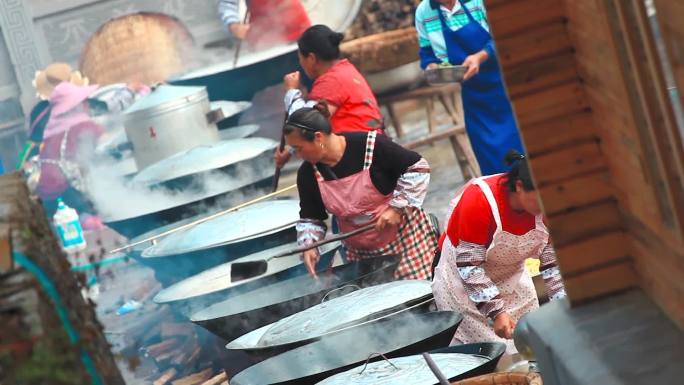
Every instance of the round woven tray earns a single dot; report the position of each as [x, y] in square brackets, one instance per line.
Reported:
[140, 47]
[382, 51]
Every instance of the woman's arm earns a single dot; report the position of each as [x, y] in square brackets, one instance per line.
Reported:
[311, 226]
[412, 186]
[426, 53]
[228, 12]
[549, 271]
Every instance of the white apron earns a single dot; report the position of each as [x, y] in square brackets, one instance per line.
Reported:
[505, 266]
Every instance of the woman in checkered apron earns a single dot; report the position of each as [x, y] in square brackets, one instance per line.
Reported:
[361, 178]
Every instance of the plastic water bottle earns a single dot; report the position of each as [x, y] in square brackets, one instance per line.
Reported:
[68, 228]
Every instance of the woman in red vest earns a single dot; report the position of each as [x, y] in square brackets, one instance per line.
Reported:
[337, 82]
[271, 22]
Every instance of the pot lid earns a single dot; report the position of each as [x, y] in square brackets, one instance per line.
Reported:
[407, 370]
[335, 314]
[167, 94]
[253, 221]
[238, 132]
[204, 158]
[228, 108]
[218, 278]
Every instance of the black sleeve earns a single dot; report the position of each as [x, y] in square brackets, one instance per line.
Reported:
[310, 202]
[392, 159]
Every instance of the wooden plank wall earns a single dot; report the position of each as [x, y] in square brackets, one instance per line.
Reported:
[592, 142]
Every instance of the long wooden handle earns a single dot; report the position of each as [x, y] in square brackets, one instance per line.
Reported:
[333, 238]
[276, 175]
[239, 43]
[508, 378]
[202, 220]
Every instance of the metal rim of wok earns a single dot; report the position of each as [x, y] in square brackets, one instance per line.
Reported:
[238, 132]
[176, 243]
[415, 303]
[229, 321]
[405, 334]
[204, 158]
[492, 351]
[184, 290]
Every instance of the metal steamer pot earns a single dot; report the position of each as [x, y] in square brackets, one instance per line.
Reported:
[403, 335]
[362, 307]
[170, 120]
[244, 313]
[214, 285]
[230, 236]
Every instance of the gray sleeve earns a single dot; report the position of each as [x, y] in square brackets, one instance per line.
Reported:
[228, 12]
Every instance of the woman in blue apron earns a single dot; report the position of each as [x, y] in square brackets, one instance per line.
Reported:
[449, 31]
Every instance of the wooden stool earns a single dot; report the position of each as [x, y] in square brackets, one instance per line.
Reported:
[449, 96]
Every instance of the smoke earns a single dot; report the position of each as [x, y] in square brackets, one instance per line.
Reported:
[115, 197]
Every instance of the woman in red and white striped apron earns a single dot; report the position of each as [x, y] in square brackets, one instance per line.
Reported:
[495, 225]
[361, 178]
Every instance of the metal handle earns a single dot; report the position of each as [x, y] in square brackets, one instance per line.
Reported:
[215, 116]
[435, 369]
[377, 355]
[338, 289]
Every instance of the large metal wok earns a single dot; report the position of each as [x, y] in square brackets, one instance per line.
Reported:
[156, 213]
[225, 238]
[243, 313]
[214, 285]
[257, 70]
[455, 363]
[237, 161]
[402, 335]
[368, 305]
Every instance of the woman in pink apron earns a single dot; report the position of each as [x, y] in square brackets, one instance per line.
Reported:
[361, 178]
[495, 225]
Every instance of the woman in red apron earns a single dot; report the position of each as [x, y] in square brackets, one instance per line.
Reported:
[495, 225]
[271, 22]
[361, 178]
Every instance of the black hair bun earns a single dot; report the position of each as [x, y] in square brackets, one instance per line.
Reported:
[336, 38]
[513, 156]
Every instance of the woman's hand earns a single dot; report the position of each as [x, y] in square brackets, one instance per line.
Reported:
[311, 258]
[473, 63]
[282, 157]
[292, 80]
[390, 217]
[504, 326]
[432, 66]
[239, 30]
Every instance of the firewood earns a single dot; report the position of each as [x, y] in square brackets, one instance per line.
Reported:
[194, 356]
[195, 378]
[159, 348]
[172, 329]
[217, 379]
[167, 376]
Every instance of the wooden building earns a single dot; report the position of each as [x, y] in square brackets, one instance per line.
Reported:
[592, 85]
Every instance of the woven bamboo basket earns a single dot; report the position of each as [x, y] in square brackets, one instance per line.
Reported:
[141, 47]
[382, 51]
[510, 378]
